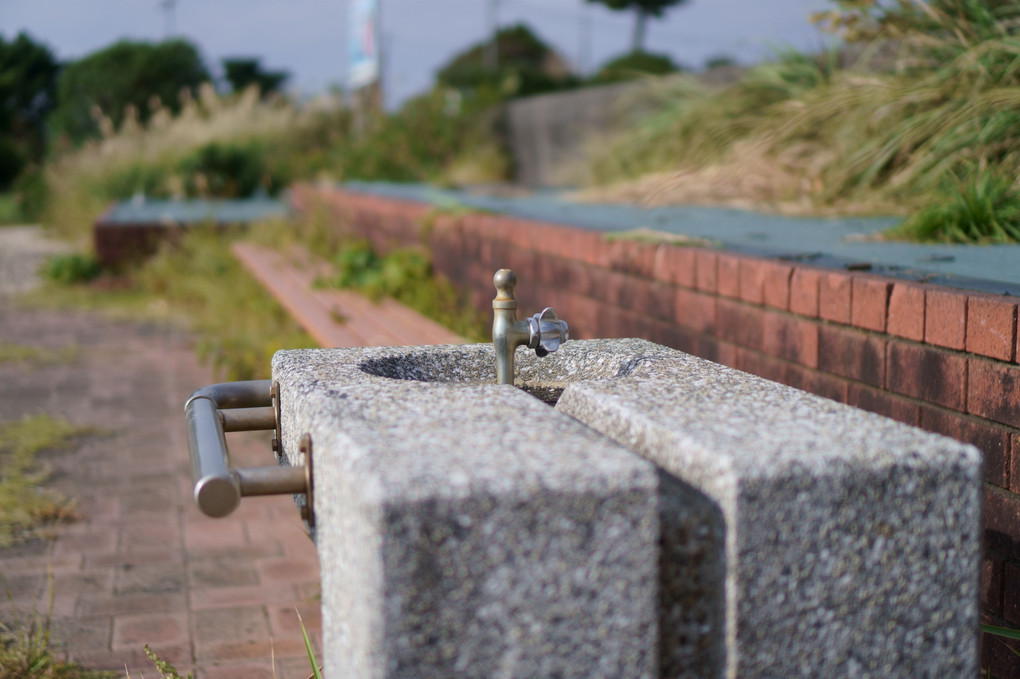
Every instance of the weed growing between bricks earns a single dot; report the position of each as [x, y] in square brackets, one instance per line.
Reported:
[26, 652]
[26, 507]
[35, 357]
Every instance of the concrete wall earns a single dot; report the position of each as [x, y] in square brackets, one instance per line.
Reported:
[939, 358]
[547, 133]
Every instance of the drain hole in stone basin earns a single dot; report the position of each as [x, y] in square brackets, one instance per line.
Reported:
[547, 394]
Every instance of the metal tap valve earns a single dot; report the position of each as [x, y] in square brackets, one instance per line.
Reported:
[544, 332]
[548, 332]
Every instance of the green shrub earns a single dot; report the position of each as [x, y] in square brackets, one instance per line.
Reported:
[32, 191]
[982, 208]
[71, 269]
[417, 143]
[229, 170]
[406, 275]
[635, 65]
[139, 178]
[12, 161]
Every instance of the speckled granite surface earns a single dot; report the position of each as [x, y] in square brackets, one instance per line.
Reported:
[467, 529]
[852, 541]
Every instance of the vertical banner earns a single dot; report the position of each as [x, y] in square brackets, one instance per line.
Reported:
[363, 43]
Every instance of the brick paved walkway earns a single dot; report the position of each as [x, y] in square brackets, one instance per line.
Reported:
[143, 566]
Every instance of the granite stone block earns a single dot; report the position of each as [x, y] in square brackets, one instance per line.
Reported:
[467, 529]
[852, 542]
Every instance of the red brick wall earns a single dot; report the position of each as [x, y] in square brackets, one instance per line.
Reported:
[118, 244]
[938, 358]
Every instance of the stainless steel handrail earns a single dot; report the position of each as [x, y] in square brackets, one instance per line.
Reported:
[227, 407]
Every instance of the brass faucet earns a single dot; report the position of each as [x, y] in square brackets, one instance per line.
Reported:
[544, 332]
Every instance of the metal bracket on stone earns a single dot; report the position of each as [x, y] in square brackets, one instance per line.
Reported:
[237, 406]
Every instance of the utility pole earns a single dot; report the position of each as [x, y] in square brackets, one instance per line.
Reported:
[492, 52]
[169, 6]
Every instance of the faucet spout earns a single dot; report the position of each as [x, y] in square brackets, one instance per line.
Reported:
[544, 332]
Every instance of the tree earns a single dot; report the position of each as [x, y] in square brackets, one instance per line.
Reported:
[242, 72]
[125, 73]
[644, 9]
[635, 65]
[28, 73]
[526, 65]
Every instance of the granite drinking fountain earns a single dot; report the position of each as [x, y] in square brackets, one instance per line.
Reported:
[667, 516]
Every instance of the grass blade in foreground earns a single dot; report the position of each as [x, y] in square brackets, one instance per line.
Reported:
[308, 647]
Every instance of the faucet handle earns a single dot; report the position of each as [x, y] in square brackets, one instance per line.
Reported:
[548, 332]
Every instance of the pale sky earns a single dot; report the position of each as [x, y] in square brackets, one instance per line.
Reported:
[307, 37]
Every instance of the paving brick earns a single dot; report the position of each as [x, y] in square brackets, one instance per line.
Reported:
[882, 402]
[993, 391]
[133, 660]
[240, 623]
[293, 668]
[103, 604]
[87, 632]
[674, 265]
[705, 270]
[234, 596]
[695, 310]
[992, 441]
[794, 339]
[928, 374]
[728, 282]
[834, 296]
[851, 353]
[221, 572]
[991, 326]
[804, 286]
[156, 628]
[284, 622]
[776, 285]
[149, 579]
[95, 542]
[945, 318]
[245, 671]
[906, 311]
[287, 569]
[148, 534]
[739, 323]
[203, 535]
[244, 650]
[869, 303]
